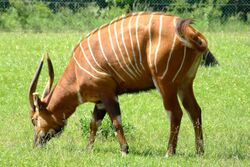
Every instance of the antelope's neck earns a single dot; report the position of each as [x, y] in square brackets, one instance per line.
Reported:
[64, 99]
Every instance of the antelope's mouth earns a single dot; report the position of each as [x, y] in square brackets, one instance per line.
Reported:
[42, 138]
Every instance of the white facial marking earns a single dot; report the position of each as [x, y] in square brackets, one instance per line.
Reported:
[38, 123]
[42, 133]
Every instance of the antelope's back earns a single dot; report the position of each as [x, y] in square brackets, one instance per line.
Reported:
[132, 48]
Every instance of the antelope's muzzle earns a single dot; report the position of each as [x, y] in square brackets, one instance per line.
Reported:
[41, 139]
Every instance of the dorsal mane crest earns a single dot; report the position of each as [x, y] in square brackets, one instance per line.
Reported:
[124, 17]
[105, 25]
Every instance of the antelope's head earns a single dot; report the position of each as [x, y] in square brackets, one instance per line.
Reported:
[46, 123]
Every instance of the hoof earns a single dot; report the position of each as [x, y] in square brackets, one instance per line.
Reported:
[124, 149]
[169, 154]
[124, 154]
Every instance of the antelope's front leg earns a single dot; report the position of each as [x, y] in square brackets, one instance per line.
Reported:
[113, 109]
[97, 117]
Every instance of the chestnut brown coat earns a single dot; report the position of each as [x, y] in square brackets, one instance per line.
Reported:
[136, 52]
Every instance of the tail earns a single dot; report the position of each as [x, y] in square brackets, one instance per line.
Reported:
[189, 36]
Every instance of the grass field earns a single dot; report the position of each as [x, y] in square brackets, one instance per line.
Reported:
[223, 93]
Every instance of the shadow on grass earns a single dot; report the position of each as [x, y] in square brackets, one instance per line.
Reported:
[102, 146]
[152, 152]
[148, 152]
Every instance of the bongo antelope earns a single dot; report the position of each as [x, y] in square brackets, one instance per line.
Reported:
[136, 52]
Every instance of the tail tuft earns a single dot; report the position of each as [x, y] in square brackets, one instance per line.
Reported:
[189, 36]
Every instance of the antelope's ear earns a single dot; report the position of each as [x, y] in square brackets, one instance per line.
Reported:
[37, 101]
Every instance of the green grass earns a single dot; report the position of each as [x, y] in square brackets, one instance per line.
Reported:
[223, 93]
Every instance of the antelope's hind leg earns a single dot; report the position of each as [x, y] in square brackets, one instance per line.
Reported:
[189, 102]
[97, 117]
[172, 107]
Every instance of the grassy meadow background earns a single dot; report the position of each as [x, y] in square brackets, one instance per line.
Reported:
[223, 93]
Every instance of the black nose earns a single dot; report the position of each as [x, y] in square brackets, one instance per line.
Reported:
[38, 143]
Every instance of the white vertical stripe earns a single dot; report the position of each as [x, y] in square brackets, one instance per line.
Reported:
[182, 62]
[79, 97]
[169, 57]
[137, 39]
[92, 54]
[119, 48]
[126, 50]
[156, 85]
[113, 49]
[159, 43]
[84, 68]
[132, 45]
[84, 54]
[104, 55]
[150, 38]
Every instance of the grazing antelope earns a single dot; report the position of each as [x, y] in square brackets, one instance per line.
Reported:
[136, 52]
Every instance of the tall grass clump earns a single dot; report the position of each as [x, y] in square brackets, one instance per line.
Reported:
[106, 130]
